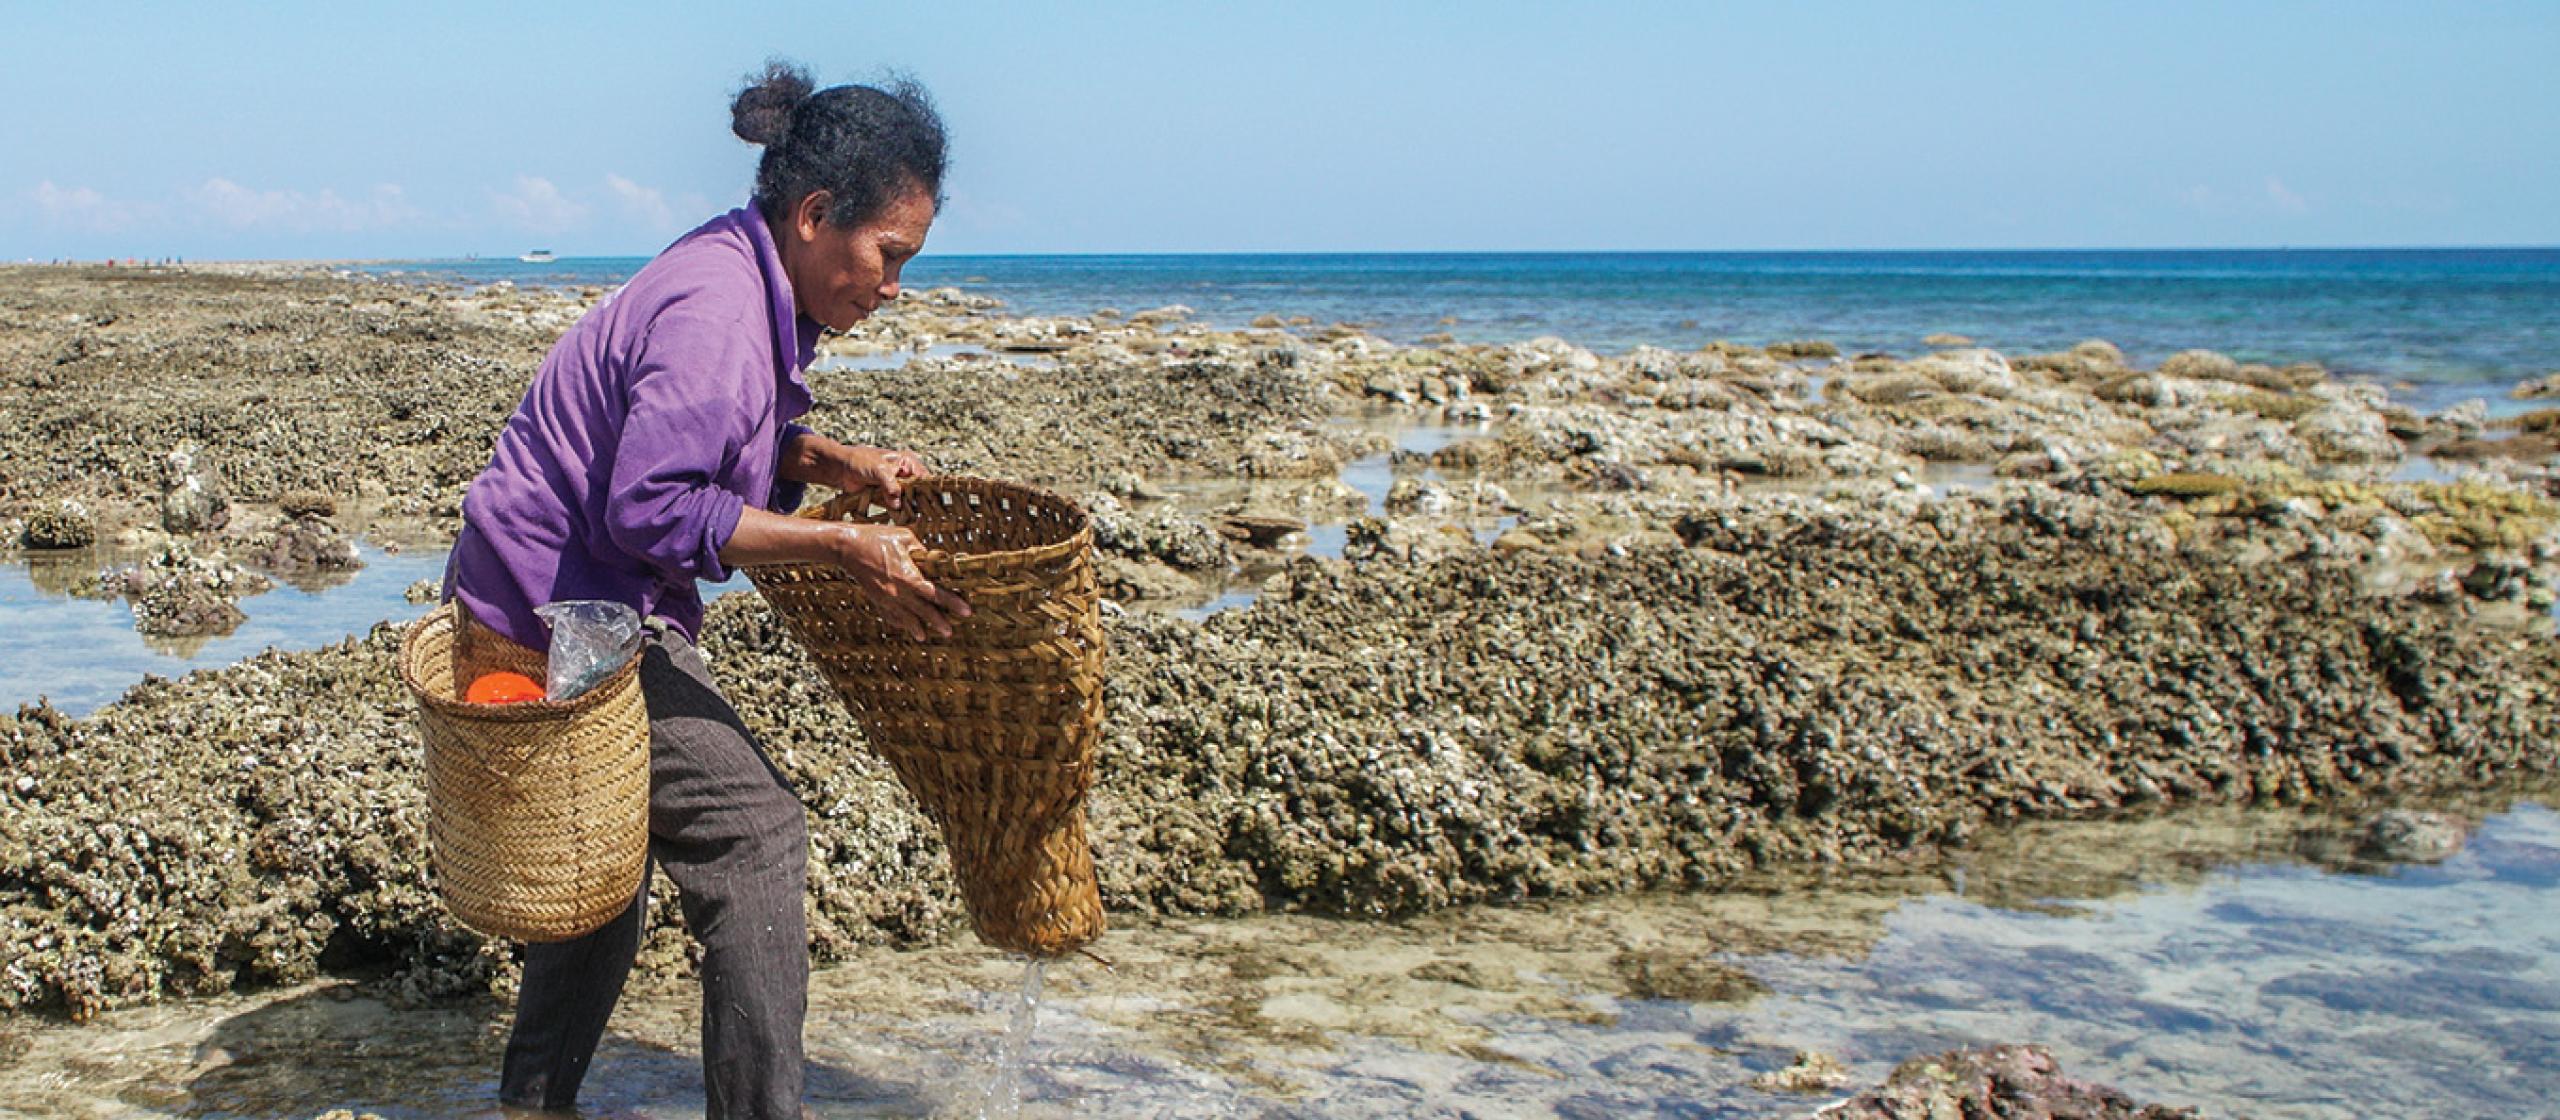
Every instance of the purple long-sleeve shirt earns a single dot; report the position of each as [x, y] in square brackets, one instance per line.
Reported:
[653, 423]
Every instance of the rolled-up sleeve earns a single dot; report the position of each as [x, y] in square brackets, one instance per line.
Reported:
[699, 392]
[787, 495]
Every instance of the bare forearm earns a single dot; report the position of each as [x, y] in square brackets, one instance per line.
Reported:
[764, 537]
[878, 558]
[878, 473]
[805, 459]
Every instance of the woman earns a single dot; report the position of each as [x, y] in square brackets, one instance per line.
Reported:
[657, 447]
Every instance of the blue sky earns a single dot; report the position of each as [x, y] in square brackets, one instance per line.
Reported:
[430, 130]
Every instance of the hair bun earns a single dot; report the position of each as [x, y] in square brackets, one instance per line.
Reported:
[762, 112]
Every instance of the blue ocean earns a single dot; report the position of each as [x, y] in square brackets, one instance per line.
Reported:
[2455, 321]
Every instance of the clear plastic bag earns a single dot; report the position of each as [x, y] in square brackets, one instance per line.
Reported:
[590, 639]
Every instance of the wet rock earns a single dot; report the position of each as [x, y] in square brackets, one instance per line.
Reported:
[1160, 533]
[2099, 351]
[1696, 393]
[2269, 405]
[1130, 486]
[1259, 530]
[2187, 485]
[2402, 836]
[1287, 454]
[2546, 387]
[1944, 341]
[2155, 390]
[62, 524]
[1810, 1071]
[2224, 443]
[2497, 578]
[428, 590]
[1667, 974]
[2031, 464]
[1157, 316]
[1897, 387]
[1403, 542]
[2200, 365]
[2345, 433]
[1803, 348]
[1388, 388]
[193, 509]
[1653, 363]
[2007, 1082]
[2468, 418]
[307, 503]
[2092, 360]
[1137, 579]
[1424, 498]
[1463, 973]
[1321, 499]
[302, 546]
[191, 499]
[179, 594]
[1974, 371]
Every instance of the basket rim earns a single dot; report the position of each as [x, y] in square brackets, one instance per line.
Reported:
[446, 617]
[838, 507]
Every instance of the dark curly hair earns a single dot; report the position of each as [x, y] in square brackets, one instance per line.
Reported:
[866, 147]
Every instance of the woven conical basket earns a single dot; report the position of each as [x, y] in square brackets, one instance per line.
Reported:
[537, 813]
[993, 729]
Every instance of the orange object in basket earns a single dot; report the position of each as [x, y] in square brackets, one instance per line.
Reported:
[503, 688]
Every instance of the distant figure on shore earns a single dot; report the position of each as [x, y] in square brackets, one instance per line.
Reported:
[658, 447]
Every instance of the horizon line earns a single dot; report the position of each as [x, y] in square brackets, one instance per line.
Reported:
[504, 257]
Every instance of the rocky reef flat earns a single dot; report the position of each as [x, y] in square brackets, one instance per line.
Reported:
[1648, 620]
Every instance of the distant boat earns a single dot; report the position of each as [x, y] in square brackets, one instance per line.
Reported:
[538, 256]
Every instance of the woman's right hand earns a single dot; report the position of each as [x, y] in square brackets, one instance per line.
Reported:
[881, 560]
[878, 557]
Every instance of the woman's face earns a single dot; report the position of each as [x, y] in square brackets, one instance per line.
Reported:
[839, 276]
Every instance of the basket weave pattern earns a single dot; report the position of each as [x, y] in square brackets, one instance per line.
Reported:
[537, 813]
[993, 729]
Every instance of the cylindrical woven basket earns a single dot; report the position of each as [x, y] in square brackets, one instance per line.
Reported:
[993, 729]
[537, 813]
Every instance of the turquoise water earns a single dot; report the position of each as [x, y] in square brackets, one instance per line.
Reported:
[2459, 317]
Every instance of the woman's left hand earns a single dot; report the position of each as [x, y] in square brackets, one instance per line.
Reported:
[877, 472]
[881, 472]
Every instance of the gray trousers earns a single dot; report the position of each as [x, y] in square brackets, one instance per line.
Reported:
[728, 829]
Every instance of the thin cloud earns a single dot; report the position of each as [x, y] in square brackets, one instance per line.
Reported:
[536, 205]
[86, 210]
[645, 206]
[2284, 198]
[291, 211]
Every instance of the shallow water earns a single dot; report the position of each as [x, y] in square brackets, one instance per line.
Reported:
[1372, 475]
[83, 653]
[897, 359]
[2485, 318]
[2232, 960]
